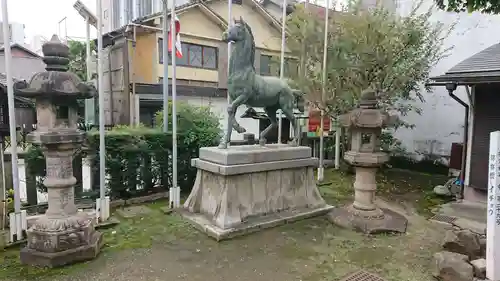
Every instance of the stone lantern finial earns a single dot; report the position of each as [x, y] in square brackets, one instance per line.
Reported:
[55, 55]
[368, 99]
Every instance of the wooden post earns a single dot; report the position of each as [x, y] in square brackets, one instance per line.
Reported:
[493, 220]
[77, 173]
[31, 186]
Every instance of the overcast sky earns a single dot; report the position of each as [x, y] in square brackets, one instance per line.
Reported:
[41, 17]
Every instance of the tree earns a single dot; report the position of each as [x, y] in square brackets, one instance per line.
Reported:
[483, 6]
[366, 49]
[78, 57]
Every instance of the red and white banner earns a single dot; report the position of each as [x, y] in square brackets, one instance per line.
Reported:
[178, 46]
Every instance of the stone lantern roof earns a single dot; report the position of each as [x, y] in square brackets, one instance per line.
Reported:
[367, 115]
[56, 83]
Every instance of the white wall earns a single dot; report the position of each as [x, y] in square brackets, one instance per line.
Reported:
[23, 68]
[443, 118]
[17, 34]
[218, 106]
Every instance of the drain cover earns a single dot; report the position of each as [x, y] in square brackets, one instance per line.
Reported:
[443, 218]
[361, 276]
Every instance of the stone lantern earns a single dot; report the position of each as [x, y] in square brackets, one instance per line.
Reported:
[63, 235]
[365, 124]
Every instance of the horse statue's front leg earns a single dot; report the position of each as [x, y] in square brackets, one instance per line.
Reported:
[238, 127]
[231, 120]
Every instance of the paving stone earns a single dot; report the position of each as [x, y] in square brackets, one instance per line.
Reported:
[474, 226]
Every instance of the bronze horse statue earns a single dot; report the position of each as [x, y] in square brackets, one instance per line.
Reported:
[248, 88]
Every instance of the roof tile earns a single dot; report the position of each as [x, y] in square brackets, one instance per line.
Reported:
[486, 60]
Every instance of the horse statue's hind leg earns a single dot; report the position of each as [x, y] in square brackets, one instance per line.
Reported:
[271, 114]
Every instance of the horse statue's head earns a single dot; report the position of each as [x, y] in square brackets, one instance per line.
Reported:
[237, 32]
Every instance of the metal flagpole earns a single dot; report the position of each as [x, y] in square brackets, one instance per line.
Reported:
[321, 168]
[12, 121]
[282, 63]
[88, 102]
[165, 65]
[176, 192]
[102, 148]
[229, 24]
[3, 188]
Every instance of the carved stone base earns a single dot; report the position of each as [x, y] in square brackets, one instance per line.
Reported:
[79, 254]
[369, 222]
[54, 242]
[246, 188]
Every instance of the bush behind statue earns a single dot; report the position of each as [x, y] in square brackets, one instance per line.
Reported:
[139, 159]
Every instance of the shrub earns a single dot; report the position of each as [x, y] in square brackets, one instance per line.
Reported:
[199, 126]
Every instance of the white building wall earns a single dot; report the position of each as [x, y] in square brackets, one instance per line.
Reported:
[219, 107]
[17, 34]
[442, 120]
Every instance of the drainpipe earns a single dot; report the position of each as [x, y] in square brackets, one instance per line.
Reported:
[451, 87]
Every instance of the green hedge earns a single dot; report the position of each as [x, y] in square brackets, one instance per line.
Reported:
[139, 156]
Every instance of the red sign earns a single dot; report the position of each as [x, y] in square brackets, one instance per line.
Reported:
[314, 123]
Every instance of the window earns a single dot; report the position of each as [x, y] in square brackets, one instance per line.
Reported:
[210, 57]
[195, 55]
[116, 14]
[192, 55]
[271, 66]
[129, 10]
[265, 65]
[291, 67]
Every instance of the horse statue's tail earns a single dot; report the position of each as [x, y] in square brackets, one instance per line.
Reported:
[299, 100]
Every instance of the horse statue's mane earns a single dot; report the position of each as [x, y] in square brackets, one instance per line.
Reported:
[249, 30]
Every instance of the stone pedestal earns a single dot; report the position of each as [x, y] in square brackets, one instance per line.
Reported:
[363, 215]
[366, 123]
[63, 235]
[246, 188]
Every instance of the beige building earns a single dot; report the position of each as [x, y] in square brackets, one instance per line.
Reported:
[134, 56]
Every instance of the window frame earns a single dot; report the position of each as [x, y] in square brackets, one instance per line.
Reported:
[185, 52]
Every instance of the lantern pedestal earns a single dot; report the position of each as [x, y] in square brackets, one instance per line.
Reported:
[363, 221]
[63, 235]
[247, 188]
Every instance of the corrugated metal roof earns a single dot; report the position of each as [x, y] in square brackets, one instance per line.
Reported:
[3, 86]
[21, 47]
[3, 79]
[486, 60]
